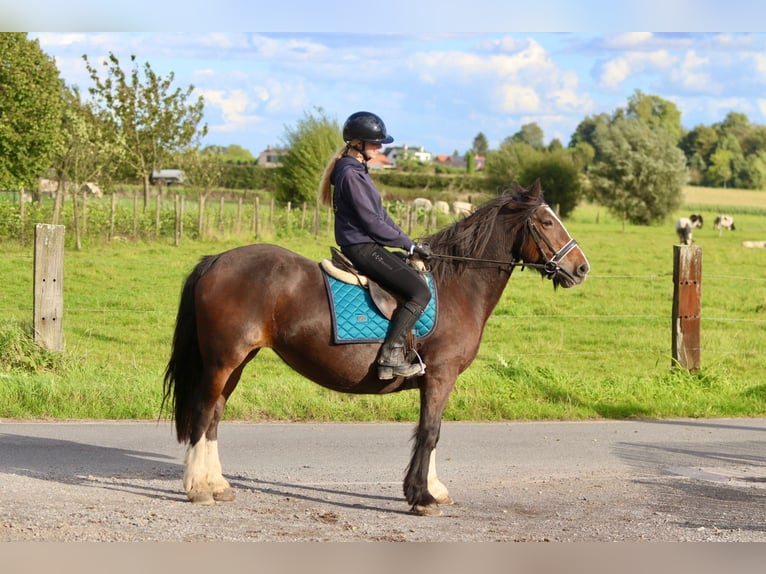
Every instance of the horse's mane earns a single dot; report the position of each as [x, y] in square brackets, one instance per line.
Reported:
[470, 236]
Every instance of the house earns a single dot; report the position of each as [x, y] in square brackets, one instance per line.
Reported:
[459, 161]
[167, 177]
[271, 157]
[380, 161]
[405, 152]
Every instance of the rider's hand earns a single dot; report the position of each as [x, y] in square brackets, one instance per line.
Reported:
[422, 249]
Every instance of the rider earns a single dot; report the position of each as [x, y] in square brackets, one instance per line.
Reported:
[363, 230]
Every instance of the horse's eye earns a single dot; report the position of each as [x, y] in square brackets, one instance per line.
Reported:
[547, 223]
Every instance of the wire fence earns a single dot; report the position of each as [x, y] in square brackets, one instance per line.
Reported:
[632, 311]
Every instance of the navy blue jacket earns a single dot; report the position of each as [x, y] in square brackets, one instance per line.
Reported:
[359, 213]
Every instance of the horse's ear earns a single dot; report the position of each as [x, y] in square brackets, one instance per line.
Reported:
[536, 190]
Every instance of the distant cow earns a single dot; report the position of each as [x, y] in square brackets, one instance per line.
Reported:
[685, 225]
[723, 222]
[462, 208]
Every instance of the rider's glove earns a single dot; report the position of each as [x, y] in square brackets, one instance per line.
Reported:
[422, 249]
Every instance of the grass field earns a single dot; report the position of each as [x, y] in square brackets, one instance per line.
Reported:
[598, 350]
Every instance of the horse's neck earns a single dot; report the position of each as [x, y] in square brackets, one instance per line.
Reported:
[485, 286]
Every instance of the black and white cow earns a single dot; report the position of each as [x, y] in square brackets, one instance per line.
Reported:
[685, 225]
[723, 222]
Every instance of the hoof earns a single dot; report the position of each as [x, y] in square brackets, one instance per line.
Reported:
[446, 501]
[226, 495]
[201, 498]
[426, 510]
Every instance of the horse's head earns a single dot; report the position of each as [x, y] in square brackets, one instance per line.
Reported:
[548, 247]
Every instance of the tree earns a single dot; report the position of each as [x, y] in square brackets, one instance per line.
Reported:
[310, 145]
[480, 145]
[721, 171]
[232, 154]
[656, 112]
[641, 173]
[584, 136]
[30, 111]
[470, 162]
[203, 171]
[531, 134]
[504, 165]
[150, 122]
[559, 177]
[84, 152]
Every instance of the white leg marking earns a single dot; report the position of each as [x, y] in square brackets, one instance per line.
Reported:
[214, 471]
[195, 473]
[435, 486]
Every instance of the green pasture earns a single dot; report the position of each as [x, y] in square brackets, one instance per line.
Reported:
[598, 350]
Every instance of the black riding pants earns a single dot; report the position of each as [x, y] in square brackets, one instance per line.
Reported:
[389, 270]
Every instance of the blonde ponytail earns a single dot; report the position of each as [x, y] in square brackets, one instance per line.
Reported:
[325, 186]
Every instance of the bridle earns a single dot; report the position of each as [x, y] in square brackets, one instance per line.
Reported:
[550, 268]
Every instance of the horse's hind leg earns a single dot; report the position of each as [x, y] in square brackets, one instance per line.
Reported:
[204, 482]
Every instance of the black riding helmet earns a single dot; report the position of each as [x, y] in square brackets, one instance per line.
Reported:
[367, 127]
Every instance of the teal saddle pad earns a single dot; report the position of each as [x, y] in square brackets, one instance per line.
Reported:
[355, 319]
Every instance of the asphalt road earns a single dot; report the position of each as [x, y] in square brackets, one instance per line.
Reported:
[659, 480]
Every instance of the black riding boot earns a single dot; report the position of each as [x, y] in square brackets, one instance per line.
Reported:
[391, 360]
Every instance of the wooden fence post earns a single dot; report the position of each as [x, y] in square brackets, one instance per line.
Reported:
[49, 286]
[687, 301]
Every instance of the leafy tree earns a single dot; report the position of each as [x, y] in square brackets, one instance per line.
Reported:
[310, 145]
[504, 165]
[641, 173]
[585, 134]
[698, 145]
[582, 155]
[150, 121]
[700, 141]
[470, 162]
[756, 170]
[480, 145]
[231, 154]
[30, 111]
[531, 134]
[721, 168]
[84, 153]
[204, 172]
[555, 145]
[559, 177]
[656, 112]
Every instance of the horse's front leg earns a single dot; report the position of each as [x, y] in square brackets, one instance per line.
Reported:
[422, 487]
[435, 486]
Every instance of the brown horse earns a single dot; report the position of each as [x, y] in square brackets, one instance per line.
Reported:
[235, 303]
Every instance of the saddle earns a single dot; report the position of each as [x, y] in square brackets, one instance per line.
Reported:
[340, 267]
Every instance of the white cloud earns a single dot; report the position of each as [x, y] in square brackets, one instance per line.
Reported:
[693, 73]
[233, 106]
[628, 40]
[618, 70]
[518, 99]
[760, 63]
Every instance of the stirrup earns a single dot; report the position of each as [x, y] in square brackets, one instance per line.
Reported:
[406, 370]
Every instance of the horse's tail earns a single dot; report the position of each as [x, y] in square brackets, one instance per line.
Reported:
[183, 374]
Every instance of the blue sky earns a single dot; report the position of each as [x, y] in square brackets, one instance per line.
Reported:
[434, 85]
